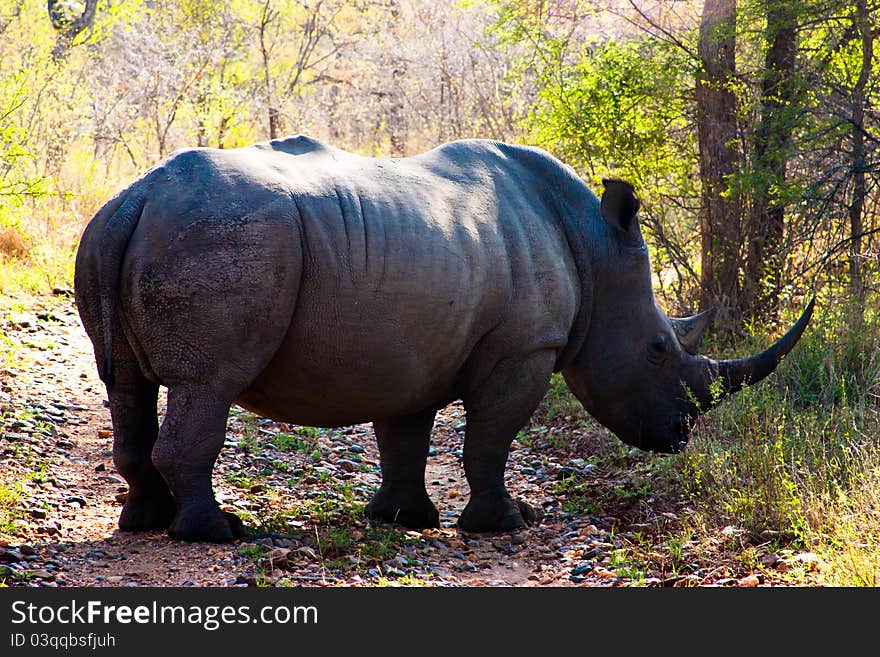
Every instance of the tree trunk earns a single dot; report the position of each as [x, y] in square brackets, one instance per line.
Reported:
[397, 124]
[770, 149]
[275, 119]
[68, 26]
[862, 25]
[720, 220]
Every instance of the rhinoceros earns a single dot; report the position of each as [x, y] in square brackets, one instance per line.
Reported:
[318, 287]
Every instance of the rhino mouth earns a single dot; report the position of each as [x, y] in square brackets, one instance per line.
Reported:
[672, 440]
[680, 435]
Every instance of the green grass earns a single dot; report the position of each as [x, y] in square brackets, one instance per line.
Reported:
[559, 404]
[578, 496]
[12, 496]
[241, 480]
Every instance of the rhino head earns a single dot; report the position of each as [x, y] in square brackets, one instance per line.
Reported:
[637, 371]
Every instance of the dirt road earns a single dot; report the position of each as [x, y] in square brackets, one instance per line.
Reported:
[300, 490]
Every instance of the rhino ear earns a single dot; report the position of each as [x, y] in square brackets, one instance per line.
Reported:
[619, 204]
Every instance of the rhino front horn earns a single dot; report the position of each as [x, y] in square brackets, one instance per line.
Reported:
[735, 374]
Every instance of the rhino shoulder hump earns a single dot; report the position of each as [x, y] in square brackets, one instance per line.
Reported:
[294, 145]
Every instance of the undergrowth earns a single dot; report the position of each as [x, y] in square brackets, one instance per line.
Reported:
[790, 466]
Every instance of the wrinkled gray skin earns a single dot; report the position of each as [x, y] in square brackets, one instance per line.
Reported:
[322, 288]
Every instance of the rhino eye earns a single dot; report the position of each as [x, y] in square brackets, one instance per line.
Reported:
[657, 348]
[660, 344]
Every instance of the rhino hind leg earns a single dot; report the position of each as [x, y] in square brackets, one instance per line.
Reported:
[403, 450]
[135, 427]
[190, 440]
[495, 413]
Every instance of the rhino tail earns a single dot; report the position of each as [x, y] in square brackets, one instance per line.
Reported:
[117, 231]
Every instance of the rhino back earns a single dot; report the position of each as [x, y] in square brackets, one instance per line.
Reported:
[380, 286]
[420, 274]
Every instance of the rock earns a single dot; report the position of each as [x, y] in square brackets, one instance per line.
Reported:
[347, 465]
[104, 434]
[257, 488]
[517, 539]
[356, 449]
[278, 557]
[100, 467]
[770, 560]
[585, 567]
[749, 581]
[592, 553]
[121, 497]
[38, 513]
[564, 471]
[461, 426]
[42, 573]
[76, 499]
[246, 580]
[10, 556]
[308, 552]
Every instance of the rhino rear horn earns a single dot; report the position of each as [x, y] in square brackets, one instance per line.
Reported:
[690, 329]
[619, 204]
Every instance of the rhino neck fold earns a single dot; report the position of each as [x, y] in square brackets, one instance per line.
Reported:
[576, 239]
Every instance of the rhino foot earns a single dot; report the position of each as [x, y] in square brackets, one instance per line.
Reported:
[146, 512]
[496, 514]
[213, 526]
[410, 509]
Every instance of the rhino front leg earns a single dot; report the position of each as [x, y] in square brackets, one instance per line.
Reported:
[495, 414]
[403, 452]
[190, 440]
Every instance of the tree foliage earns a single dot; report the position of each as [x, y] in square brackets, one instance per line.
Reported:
[613, 88]
[769, 195]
